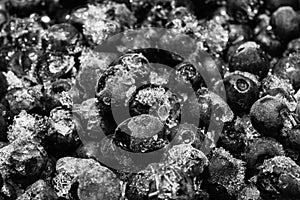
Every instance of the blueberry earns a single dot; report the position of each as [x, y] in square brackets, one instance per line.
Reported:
[241, 91]
[98, 183]
[285, 22]
[140, 134]
[192, 161]
[62, 137]
[226, 171]
[276, 179]
[249, 57]
[160, 181]
[267, 115]
[289, 68]
[261, 149]
[244, 11]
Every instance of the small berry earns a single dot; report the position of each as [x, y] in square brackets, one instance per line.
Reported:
[268, 115]
[241, 91]
[285, 22]
[249, 57]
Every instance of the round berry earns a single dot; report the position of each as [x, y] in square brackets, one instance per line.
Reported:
[241, 91]
[249, 57]
[266, 115]
[285, 22]
[143, 133]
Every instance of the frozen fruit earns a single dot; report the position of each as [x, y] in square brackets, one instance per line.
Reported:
[249, 57]
[269, 115]
[285, 22]
[160, 181]
[192, 161]
[261, 149]
[279, 178]
[242, 90]
[62, 137]
[226, 171]
[23, 161]
[67, 170]
[98, 183]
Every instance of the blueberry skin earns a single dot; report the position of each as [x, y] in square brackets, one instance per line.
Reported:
[285, 22]
[249, 57]
[241, 92]
[265, 116]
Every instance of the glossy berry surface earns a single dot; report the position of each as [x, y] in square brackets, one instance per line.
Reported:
[242, 91]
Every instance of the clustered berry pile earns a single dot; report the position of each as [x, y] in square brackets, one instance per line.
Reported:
[55, 86]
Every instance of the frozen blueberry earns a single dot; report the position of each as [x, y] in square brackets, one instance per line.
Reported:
[98, 183]
[26, 126]
[92, 66]
[249, 192]
[102, 20]
[142, 133]
[159, 181]
[285, 22]
[54, 65]
[25, 98]
[241, 91]
[62, 137]
[292, 139]
[23, 161]
[189, 134]
[225, 171]
[249, 57]
[278, 178]
[261, 149]
[209, 107]
[268, 115]
[67, 170]
[192, 161]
